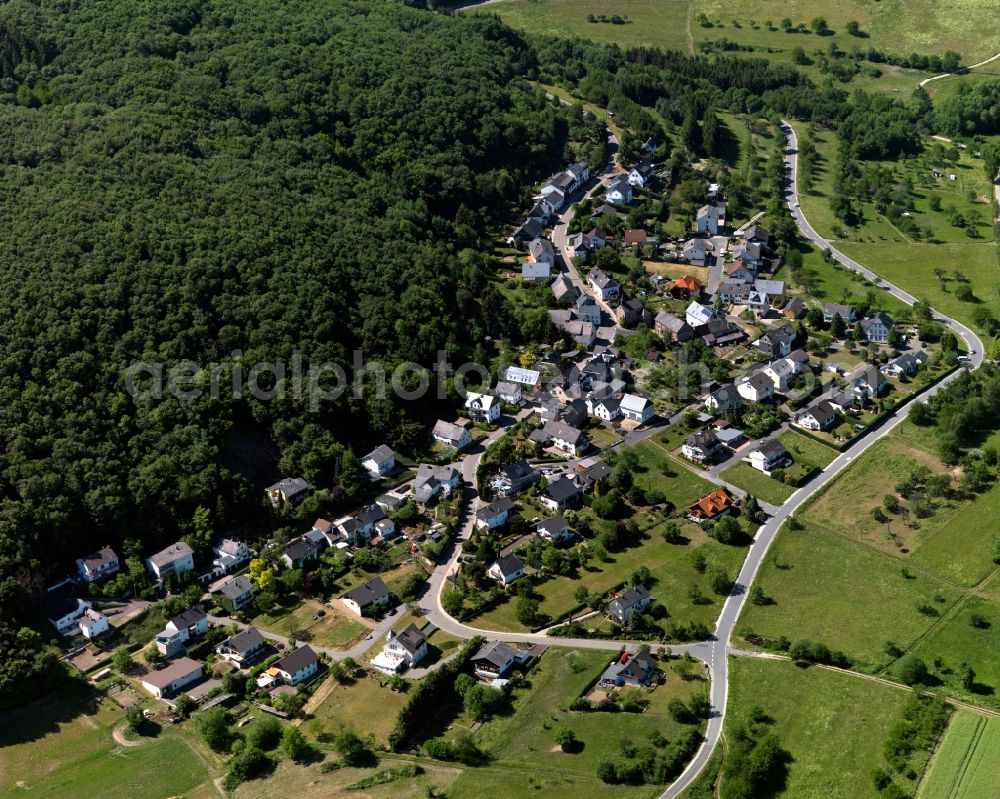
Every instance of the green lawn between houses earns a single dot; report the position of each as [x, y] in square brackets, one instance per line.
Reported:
[526, 760]
[757, 483]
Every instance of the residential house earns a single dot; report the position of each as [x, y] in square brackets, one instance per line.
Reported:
[574, 413]
[768, 456]
[386, 529]
[695, 251]
[731, 437]
[636, 670]
[506, 569]
[401, 651]
[367, 597]
[723, 398]
[906, 364]
[774, 290]
[597, 238]
[230, 555]
[580, 173]
[757, 234]
[710, 219]
[434, 481]
[565, 290]
[242, 648]
[529, 229]
[515, 477]
[698, 315]
[636, 409]
[794, 309]
[717, 504]
[877, 328]
[618, 191]
[867, 382]
[671, 328]
[508, 392]
[750, 253]
[685, 288]
[642, 174]
[608, 409]
[720, 332]
[299, 552]
[541, 260]
[495, 514]
[483, 408]
[561, 494]
[175, 559]
[582, 333]
[98, 565]
[605, 285]
[93, 624]
[556, 188]
[630, 313]
[587, 310]
[649, 146]
[777, 342]
[602, 210]
[451, 435]
[568, 439]
[740, 271]
[288, 491]
[380, 462]
[495, 660]
[701, 447]
[712, 192]
[238, 592]
[589, 476]
[758, 387]
[192, 623]
[553, 529]
[818, 416]
[846, 312]
[782, 373]
[576, 247]
[67, 614]
[629, 603]
[298, 666]
[165, 682]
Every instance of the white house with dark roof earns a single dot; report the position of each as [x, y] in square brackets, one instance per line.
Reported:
[93, 624]
[618, 191]
[586, 309]
[607, 409]
[506, 569]
[175, 559]
[553, 529]
[514, 478]
[710, 219]
[401, 651]
[701, 447]
[603, 284]
[434, 481]
[508, 392]
[777, 342]
[238, 591]
[768, 456]
[817, 417]
[494, 515]
[367, 597]
[629, 603]
[845, 312]
[243, 647]
[906, 364]
[723, 398]
[298, 666]
[696, 251]
[561, 494]
[380, 462]
[451, 435]
[288, 491]
[98, 565]
[758, 387]
[496, 659]
[230, 555]
[165, 682]
[192, 623]
[567, 439]
[877, 328]
[67, 614]
[867, 382]
[298, 552]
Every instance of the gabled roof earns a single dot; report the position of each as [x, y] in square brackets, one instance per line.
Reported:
[188, 618]
[297, 660]
[635, 595]
[519, 470]
[822, 411]
[695, 246]
[237, 587]
[670, 322]
[759, 381]
[494, 509]
[703, 439]
[713, 504]
[101, 557]
[635, 236]
[172, 553]
[370, 514]
[368, 593]
[634, 403]
[509, 564]
[243, 642]
[564, 432]
[831, 309]
[601, 279]
[497, 653]
[561, 490]
[770, 448]
[380, 454]
[448, 430]
[552, 526]
[880, 317]
[411, 639]
[300, 549]
[541, 248]
[291, 486]
[527, 377]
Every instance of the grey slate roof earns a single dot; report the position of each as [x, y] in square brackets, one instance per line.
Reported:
[368, 593]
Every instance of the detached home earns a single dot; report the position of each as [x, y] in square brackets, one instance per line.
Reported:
[636, 409]
[380, 462]
[192, 623]
[877, 328]
[238, 592]
[629, 603]
[242, 647]
[758, 387]
[777, 342]
[93, 624]
[710, 219]
[672, 328]
[288, 491]
[701, 447]
[768, 456]
[497, 659]
[561, 494]
[175, 559]
[401, 651]
[618, 191]
[494, 515]
[718, 503]
[506, 569]
[298, 666]
[819, 416]
[433, 481]
[483, 408]
[98, 565]
[605, 285]
[515, 477]
[367, 597]
[451, 435]
[67, 613]
[165, 682]
[508, 392]
[554, 530]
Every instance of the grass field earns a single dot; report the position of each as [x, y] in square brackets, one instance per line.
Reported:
[806, 450]
[526, 761]
[833, 725]
[673, 578]
[364, 706]
[660, 470]
[757, 483]
[332, 630]
[830, 589]
[901, 260]
[61, 746]
[964, 766]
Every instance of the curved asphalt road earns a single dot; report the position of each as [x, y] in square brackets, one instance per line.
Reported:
[712, 652]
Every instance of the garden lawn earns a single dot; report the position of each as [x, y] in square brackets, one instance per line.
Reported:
[658, 469]
[673, 579]
[834, 725]
[848, 596]
[332, 630]
[807, 450]
[526, 760]
[964, 766]
[757, 483]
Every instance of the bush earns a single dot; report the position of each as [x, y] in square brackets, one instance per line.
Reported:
[264, 734]
[912, 670]
[567, 739]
